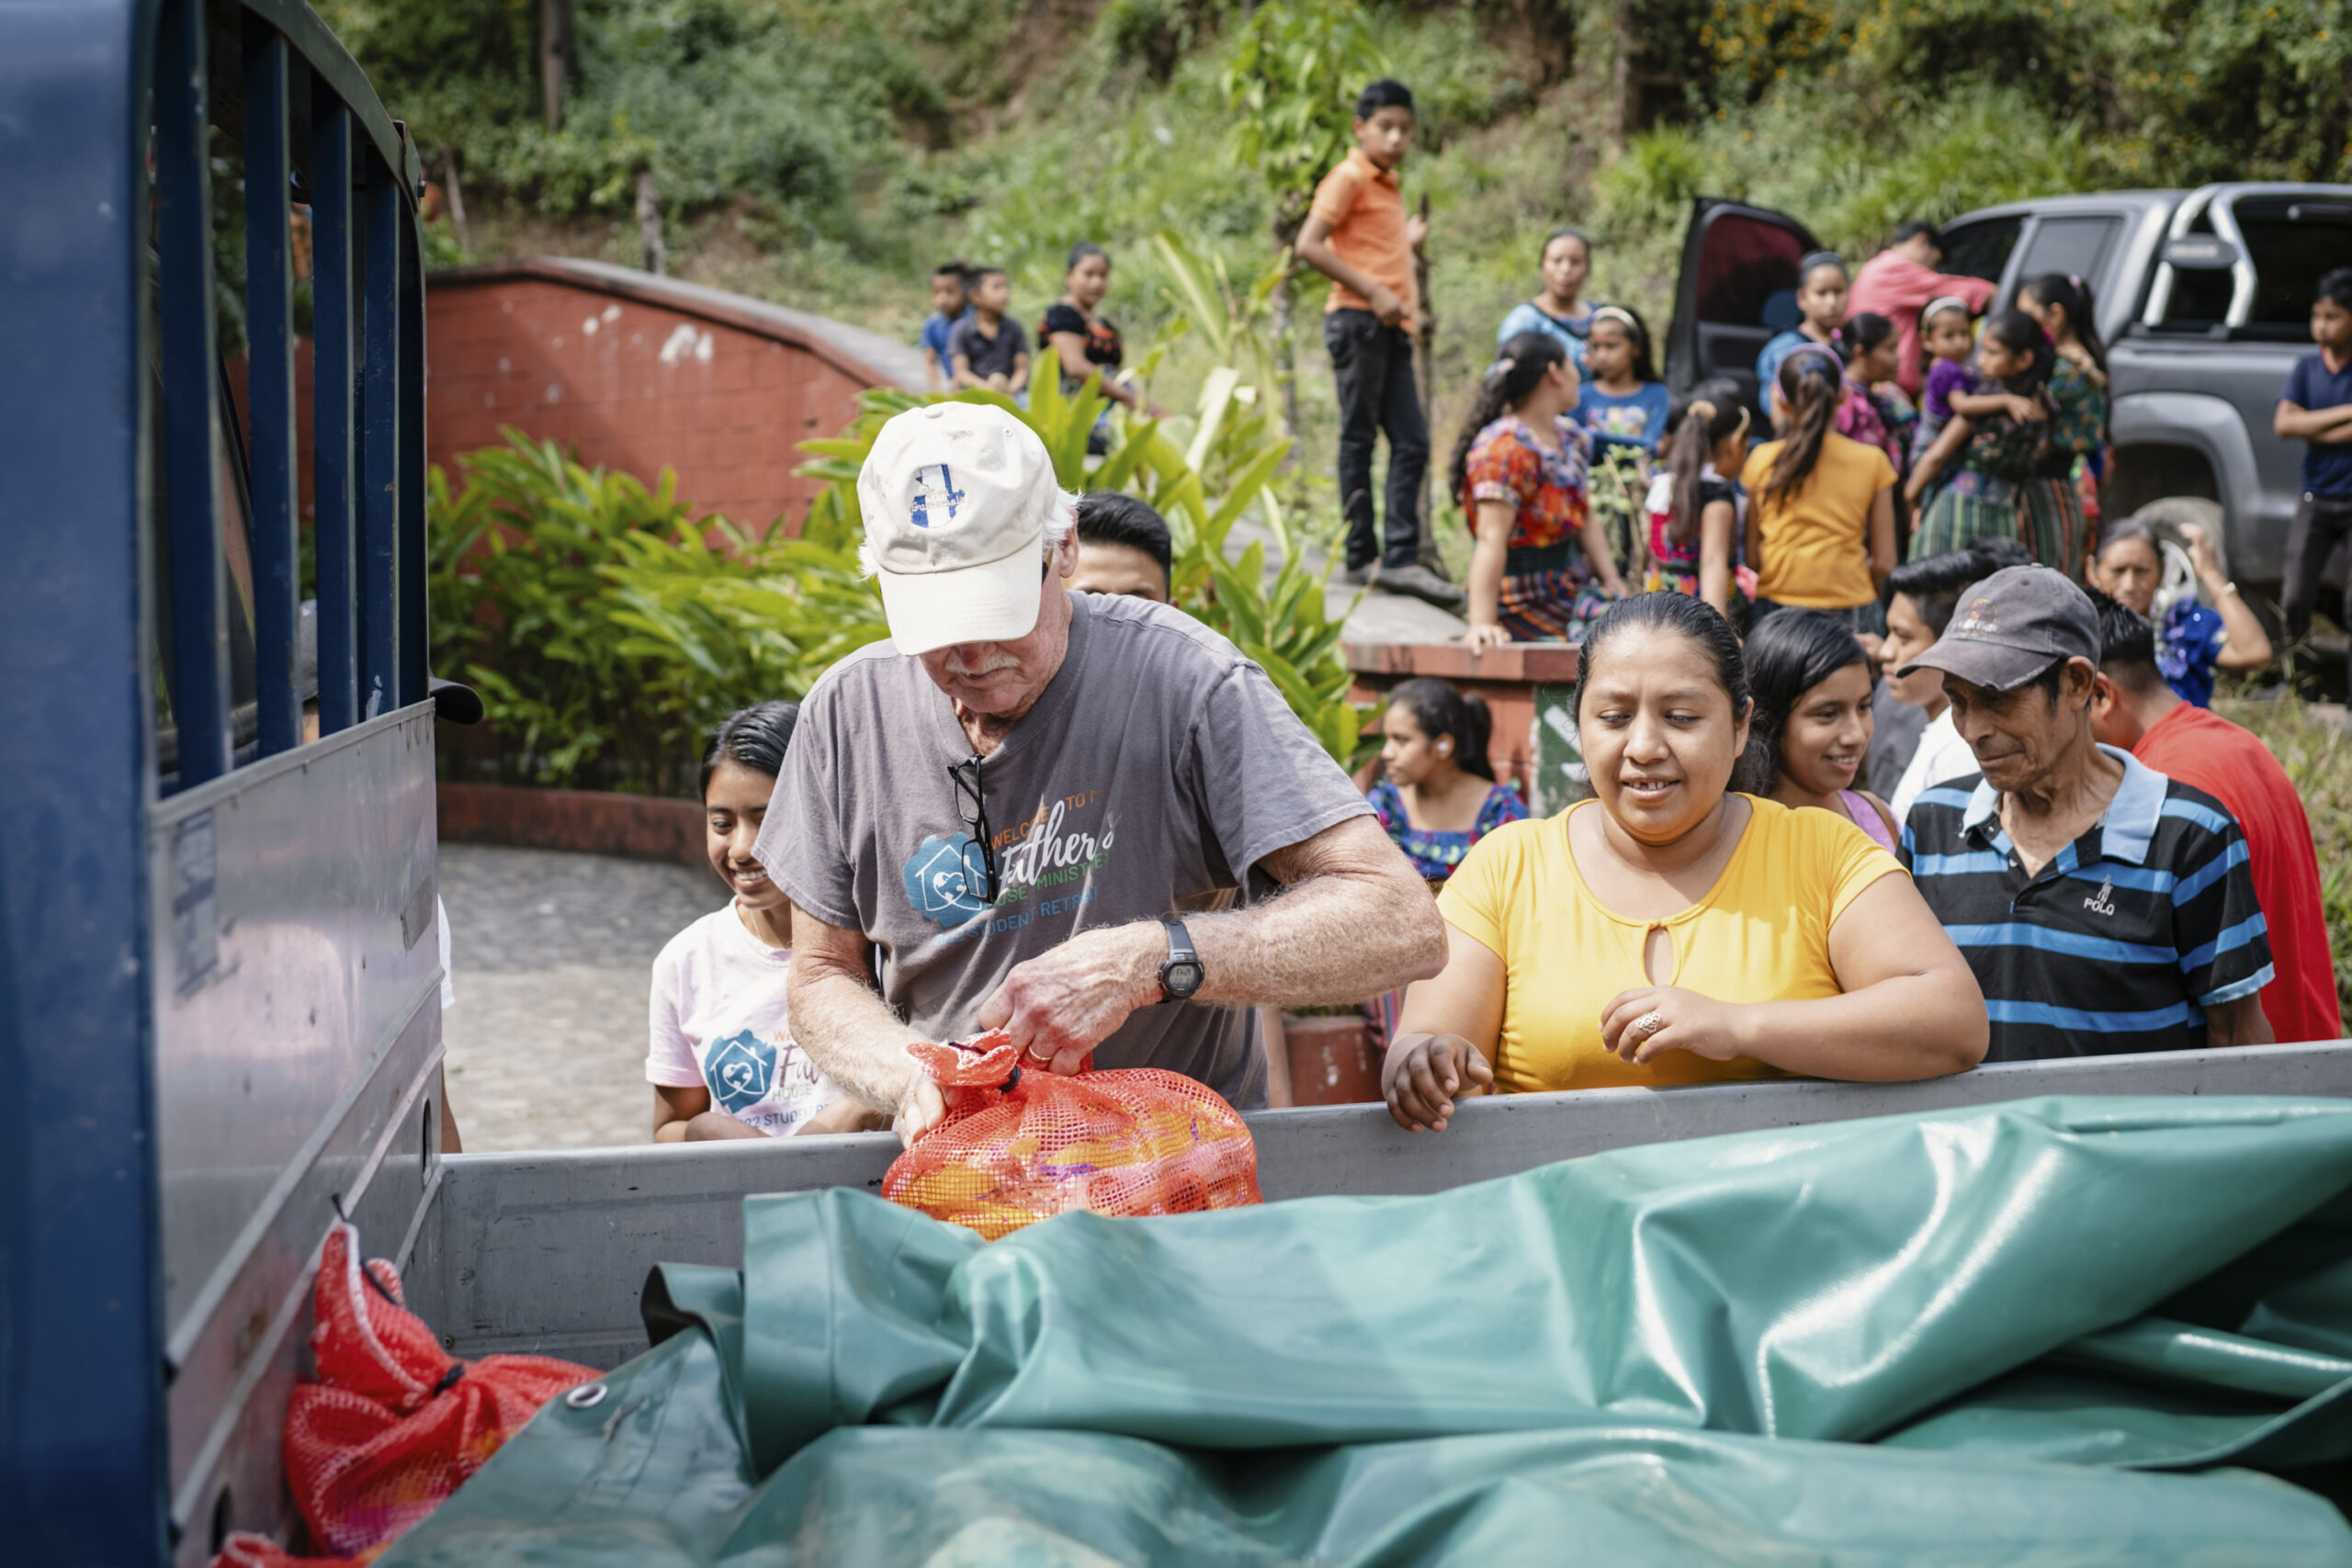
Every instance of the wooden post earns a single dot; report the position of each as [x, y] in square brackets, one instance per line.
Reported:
[554, 58]
[649, 222]
[1424, 366]
[456, 197]
[1623, 45]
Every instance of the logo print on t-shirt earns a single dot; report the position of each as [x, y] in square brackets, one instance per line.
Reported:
[740, 1070]
[935, 498]
[944, 879]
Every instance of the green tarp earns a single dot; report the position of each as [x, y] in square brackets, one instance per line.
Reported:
[1999, 1334]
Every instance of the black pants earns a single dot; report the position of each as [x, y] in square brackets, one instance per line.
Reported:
[1373, 366]
[2321, 523]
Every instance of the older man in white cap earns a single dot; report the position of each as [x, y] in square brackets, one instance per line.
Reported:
[1087, 819]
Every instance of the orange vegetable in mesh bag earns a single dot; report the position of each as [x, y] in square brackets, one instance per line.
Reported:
[395, 1422]
[1020, 1146]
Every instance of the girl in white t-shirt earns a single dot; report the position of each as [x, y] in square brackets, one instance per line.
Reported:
[722, 1062]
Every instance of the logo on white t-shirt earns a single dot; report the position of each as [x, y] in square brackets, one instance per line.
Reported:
[739, 1069]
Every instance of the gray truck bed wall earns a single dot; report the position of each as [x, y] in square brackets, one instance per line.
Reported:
[547, 1252]
[298, 1050]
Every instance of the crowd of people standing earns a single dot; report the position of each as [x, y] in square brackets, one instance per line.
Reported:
[1130, 842]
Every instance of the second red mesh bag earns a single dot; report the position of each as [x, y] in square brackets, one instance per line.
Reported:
[1022, 1146]
[395, 1422]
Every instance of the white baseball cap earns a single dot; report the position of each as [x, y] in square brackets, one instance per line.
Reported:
[956, 497]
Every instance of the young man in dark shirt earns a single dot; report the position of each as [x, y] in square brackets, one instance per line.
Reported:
[2103, 907]
[2316, 407]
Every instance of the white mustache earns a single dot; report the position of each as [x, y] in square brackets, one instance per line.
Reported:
[994, 661]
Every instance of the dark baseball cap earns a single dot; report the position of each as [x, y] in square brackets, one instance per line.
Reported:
[2013, 626]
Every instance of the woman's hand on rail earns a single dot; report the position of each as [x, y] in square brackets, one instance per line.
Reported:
[1423, 1073]
[1648, 1020]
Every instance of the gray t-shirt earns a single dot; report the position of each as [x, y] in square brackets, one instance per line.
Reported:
[1154, 773]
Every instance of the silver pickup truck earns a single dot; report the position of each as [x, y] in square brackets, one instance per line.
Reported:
[2204, 299]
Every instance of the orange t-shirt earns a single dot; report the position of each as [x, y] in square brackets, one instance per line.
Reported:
[1365, 210]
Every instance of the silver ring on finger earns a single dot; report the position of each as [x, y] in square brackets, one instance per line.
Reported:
[1649, 1024]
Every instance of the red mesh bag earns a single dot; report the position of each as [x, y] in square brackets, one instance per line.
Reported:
[395, 1422]
[1020, 1147]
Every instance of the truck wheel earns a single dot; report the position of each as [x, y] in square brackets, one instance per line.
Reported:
[2165, 517]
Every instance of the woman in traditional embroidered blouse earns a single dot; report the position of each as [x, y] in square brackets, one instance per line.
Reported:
[1542, 568]
[1439, 796]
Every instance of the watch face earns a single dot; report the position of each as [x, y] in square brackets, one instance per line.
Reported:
[1181, 979]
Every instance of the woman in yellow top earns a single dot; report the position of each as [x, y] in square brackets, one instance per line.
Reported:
[1821, 506]
[1671, 931]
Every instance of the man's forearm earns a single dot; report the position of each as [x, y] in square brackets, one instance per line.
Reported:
[852, 1034]
[1338, 937]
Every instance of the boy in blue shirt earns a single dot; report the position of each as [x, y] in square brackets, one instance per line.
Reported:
[2316, 407]
[951, 302]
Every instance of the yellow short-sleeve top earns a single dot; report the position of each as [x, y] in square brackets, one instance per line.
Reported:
[1760, 934]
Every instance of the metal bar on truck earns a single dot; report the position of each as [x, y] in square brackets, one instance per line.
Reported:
[335, 424]
[270, 333]
[380, 404]
[199, 651]
[81, 1423]
[414, 670]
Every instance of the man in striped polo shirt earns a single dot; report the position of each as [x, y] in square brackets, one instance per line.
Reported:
[2103, 907]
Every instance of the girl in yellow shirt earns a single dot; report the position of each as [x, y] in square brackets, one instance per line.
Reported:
[1671, 931]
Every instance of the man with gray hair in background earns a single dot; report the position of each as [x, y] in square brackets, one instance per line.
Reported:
[1087, 820]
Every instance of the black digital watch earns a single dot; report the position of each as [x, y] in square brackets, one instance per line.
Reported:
[1180, 973]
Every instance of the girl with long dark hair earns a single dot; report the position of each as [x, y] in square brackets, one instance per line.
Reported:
[1696, 513]
[1821, 505]
[721, 1057]
[2060, 499]
[1993, 444]
[1812, 683]
[1437, 795]
[1521, 471]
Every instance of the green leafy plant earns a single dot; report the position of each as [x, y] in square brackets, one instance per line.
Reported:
[2318, 757]
[607, 629]
[1291, 82]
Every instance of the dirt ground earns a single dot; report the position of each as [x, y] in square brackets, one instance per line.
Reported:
[551, 954]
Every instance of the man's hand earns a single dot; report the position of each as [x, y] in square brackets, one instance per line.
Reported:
[1421, 1075]
[1416, 229]
[1061, 1004]
[923, 1107]
[1687, 1021]
[1385, 304]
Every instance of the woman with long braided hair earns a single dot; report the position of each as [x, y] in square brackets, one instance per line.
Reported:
[1542, 570]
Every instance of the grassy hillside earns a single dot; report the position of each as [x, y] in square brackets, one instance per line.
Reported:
[828, 153]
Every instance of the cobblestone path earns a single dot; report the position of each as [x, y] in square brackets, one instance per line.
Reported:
[549, 954]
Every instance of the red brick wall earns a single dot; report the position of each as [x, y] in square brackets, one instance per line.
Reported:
[631, 387]
[627, 384]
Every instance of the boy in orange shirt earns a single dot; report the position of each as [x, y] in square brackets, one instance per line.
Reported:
[1357, 235]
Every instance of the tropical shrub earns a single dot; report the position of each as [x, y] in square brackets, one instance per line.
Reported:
[607, 629]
